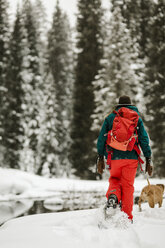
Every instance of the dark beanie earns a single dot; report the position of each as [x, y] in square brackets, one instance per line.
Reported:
[124, 100]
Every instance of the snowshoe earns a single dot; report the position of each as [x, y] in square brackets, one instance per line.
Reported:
[108, 211]
[110, 206]
[112, 201]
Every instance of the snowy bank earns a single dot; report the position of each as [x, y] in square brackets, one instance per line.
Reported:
[79, 229]
[15, 184]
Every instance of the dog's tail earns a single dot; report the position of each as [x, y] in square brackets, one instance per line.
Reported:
[148, 181]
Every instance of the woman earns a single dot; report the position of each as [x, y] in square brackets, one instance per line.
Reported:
[123, 164]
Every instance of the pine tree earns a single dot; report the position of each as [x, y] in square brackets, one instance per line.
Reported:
[61, 67]
[89, 46]
[12, 120]
[46, 146]
[118, 76]
[41, 24]
[47, 142]
[136, 16]
[4, 56]
[155, 86]
[32, 88]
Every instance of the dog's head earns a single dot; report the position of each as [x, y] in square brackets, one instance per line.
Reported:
[161, 186]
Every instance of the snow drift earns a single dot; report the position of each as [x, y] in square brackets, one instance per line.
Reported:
[80, 229]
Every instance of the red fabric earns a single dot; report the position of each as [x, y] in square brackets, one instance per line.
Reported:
[121, 181]
[109, 135]
[122, 137]
[109, 158]
[124, 124]
[136, 148]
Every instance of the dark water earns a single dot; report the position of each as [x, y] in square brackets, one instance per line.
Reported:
[60, 203]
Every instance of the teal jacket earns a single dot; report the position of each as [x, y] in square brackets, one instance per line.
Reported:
[143, 139]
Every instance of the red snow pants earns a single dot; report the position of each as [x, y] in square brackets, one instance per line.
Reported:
[121, 181]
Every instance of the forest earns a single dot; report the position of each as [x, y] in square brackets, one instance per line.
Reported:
[57, 82]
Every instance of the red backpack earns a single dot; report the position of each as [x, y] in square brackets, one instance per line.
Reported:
[123, 134]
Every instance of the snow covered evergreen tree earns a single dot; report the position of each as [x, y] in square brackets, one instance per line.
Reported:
[46, 146]
[137, 15]
[47, 141]
[118, 76]
[155, 86]
[89, 54]
[4, 56]
[61, 67]
[41, 24]
[12, 119]
[32, 88]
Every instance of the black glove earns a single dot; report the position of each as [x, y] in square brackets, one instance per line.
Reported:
[100, 164]
[148, 166]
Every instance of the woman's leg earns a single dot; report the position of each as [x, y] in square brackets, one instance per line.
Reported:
[114, 180]
[127, 185]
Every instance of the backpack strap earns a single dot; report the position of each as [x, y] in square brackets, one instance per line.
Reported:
[136, 148]
[109, 150]
[116, 112]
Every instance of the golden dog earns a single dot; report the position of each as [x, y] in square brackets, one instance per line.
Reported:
[152, 194]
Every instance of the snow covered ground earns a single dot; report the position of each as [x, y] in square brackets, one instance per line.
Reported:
[76, 228]
[79, 229]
